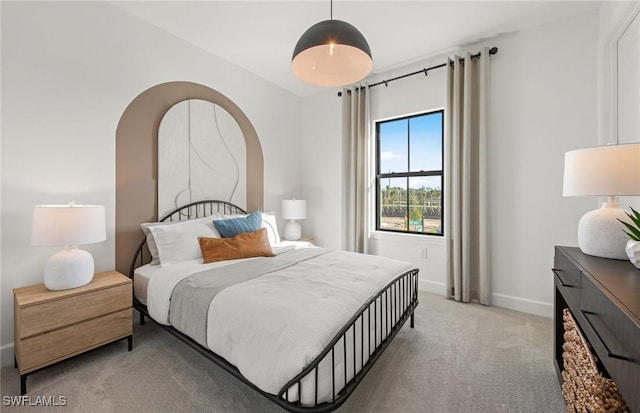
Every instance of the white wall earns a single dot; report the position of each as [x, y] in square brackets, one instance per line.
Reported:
[543, 103]
[321, 157]
[613, 18]
[69, 70]
[612, 15]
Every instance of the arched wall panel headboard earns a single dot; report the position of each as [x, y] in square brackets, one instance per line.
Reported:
[201, 156]
[137, 159]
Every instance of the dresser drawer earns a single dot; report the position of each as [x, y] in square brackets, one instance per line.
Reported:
[567, 279]
[614, 337]
[53, 346]
[51, 315]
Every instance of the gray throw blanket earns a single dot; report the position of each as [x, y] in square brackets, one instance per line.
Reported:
[191, 297]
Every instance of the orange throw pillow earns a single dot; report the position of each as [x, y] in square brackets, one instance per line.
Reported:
[243, 245]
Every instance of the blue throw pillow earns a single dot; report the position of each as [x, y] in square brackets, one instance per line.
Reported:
[234, 226]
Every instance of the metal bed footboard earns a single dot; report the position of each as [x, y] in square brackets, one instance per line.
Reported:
[388, 311]
[376, 323]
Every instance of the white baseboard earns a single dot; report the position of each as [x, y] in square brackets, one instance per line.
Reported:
[6, 355]
[524, 305]
[431, 286]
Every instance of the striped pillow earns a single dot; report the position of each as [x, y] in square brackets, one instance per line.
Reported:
[234, 226]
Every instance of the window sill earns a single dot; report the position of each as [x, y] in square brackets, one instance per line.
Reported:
[436, 240]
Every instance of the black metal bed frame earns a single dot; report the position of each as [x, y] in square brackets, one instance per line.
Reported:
[394, 304]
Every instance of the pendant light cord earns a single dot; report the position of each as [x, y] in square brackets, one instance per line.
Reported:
[331, 10]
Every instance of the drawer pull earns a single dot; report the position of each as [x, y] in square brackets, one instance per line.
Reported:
[610, 354]
[557, 272]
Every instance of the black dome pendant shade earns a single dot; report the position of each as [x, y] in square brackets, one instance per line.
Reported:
[331, 53]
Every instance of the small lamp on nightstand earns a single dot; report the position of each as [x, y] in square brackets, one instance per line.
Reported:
[612, 170]
[293, 209]
[67, 226]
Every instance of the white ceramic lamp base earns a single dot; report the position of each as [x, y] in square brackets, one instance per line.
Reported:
[292, 231]
[600, 233]
[69, 268]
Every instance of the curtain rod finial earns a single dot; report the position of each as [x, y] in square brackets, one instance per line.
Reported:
[493, 50]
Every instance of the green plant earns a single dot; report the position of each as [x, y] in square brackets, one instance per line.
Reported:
[633, 226]
[415, 214]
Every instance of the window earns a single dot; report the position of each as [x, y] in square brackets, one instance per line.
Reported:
[409, 173]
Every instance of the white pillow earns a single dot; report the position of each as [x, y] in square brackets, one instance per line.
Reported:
[172, 242]
[268, 222]
[151, 244]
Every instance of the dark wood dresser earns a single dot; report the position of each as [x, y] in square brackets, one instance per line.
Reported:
[604, 297]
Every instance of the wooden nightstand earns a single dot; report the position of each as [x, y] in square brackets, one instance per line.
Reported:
[51, 326]
[304, 238]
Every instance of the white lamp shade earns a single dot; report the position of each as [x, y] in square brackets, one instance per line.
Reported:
[294, 209]
[332, 65]
[612, 170]
[60, 225]
[331, 53]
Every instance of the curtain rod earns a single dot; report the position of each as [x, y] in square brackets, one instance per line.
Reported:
[492, 51]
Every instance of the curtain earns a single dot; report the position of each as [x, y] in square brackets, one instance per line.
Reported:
[467, 230]
[355, 168]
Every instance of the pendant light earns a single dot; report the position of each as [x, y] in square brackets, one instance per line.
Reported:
[331, 53]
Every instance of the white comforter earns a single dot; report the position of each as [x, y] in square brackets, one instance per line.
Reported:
[162, 279]
[271, 327]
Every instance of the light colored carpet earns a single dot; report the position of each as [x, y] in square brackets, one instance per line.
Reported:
[459, 358]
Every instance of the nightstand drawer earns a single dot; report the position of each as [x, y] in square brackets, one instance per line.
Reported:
[56, 345]
[613, 335]
[567, 279]
[51, 315]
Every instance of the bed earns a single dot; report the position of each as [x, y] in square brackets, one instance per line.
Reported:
[302, 327]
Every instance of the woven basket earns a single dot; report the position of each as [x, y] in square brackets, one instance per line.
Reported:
[583, 386]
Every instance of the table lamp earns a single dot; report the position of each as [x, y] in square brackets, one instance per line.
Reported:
[612, 170]
[293, 209]
[67, 226]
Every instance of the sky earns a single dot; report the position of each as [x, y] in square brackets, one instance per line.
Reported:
[411, 145]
